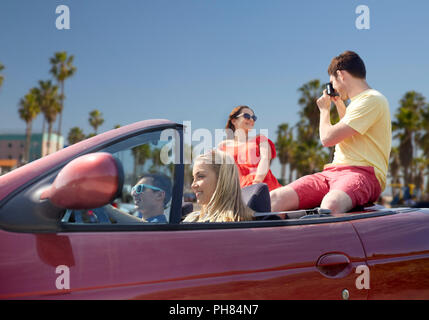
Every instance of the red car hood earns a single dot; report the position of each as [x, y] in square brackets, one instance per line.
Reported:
[24, 174]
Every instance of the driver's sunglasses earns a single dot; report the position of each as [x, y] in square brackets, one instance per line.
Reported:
[142, 187]
[247, 116]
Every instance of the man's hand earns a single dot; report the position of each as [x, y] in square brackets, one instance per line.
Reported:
[341, 107]
[324, 102]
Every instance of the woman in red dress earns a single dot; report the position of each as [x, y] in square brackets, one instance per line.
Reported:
[251, 154]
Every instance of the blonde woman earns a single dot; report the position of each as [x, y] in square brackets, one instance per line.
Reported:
[217, 188]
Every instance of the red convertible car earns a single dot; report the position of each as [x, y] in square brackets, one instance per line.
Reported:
[66, 233]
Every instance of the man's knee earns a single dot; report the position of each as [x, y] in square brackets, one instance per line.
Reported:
[284, 198]
[337, 201]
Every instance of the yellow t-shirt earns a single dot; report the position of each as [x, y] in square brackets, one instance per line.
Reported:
[368, 113]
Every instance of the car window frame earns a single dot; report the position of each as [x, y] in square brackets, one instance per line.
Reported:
[31, 187]
[177, 185]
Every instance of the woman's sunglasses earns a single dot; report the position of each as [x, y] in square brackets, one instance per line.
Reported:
[142, 187]
[247, 116]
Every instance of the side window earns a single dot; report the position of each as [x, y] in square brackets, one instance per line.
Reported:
[148, 183]
[146, 197]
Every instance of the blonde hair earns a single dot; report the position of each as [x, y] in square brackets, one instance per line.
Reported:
[226, 203]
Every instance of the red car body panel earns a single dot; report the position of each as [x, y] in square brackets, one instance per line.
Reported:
[259, 263]
[397, 249]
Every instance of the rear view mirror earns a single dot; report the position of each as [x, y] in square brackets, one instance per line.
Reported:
[87, 182]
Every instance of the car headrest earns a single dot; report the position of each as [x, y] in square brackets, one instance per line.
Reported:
[257, 197]
[187, 207]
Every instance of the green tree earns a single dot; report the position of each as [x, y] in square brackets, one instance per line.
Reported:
[1, 76]
[28, 110]
[140, 154]
[155, 156]
[95, 120]
[284, 148]
[62, 68]
[423, 140]
[309, 113]
[420, 164]
[310, 156]
[394, 165]
[49, 102]
[75, 135]
[407, 123]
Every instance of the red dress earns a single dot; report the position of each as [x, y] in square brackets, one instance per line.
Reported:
[247, 157]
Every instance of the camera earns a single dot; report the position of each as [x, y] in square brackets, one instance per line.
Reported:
[330, 90]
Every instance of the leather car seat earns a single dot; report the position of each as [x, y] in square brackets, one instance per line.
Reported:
[257, 198]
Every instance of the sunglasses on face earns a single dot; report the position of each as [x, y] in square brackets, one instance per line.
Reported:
[142, 187]
[247, 116]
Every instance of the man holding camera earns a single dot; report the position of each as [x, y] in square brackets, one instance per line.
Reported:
[362, 140]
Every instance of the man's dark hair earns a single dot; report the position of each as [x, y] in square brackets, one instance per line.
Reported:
[161, 181]
[350, 62]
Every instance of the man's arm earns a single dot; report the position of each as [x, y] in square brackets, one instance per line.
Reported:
[341, 107]
[330, 135]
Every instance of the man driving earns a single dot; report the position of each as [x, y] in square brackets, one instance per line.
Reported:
[151, 195]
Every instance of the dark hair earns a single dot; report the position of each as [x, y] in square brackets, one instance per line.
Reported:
[234, 113]
[350, 62]
[161, 181]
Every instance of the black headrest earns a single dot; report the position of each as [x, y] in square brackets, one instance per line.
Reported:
[187, 207]
[257, 197]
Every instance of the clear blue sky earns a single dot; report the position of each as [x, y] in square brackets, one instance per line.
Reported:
[197, 59]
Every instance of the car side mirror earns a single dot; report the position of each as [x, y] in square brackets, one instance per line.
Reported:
[87, 182]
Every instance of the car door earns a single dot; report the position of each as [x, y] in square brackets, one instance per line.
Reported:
[267, 262]
[397, 248]
[263, 261]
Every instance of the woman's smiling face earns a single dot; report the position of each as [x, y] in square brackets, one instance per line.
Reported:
[243, 123]
[204, 183]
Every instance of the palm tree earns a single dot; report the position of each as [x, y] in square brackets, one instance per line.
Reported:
[407, 124]
[49, 101]
[394, 165]
[310, 155]
[155, 156]
[140, 153]
[28, 110]
[75, 135]
[423, 139]
[1, 76]
[62, 68]
[310, 92]
[420, 164]
[284, 146]
[95, 120]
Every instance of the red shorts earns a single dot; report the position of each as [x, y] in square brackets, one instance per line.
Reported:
[359, 182]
